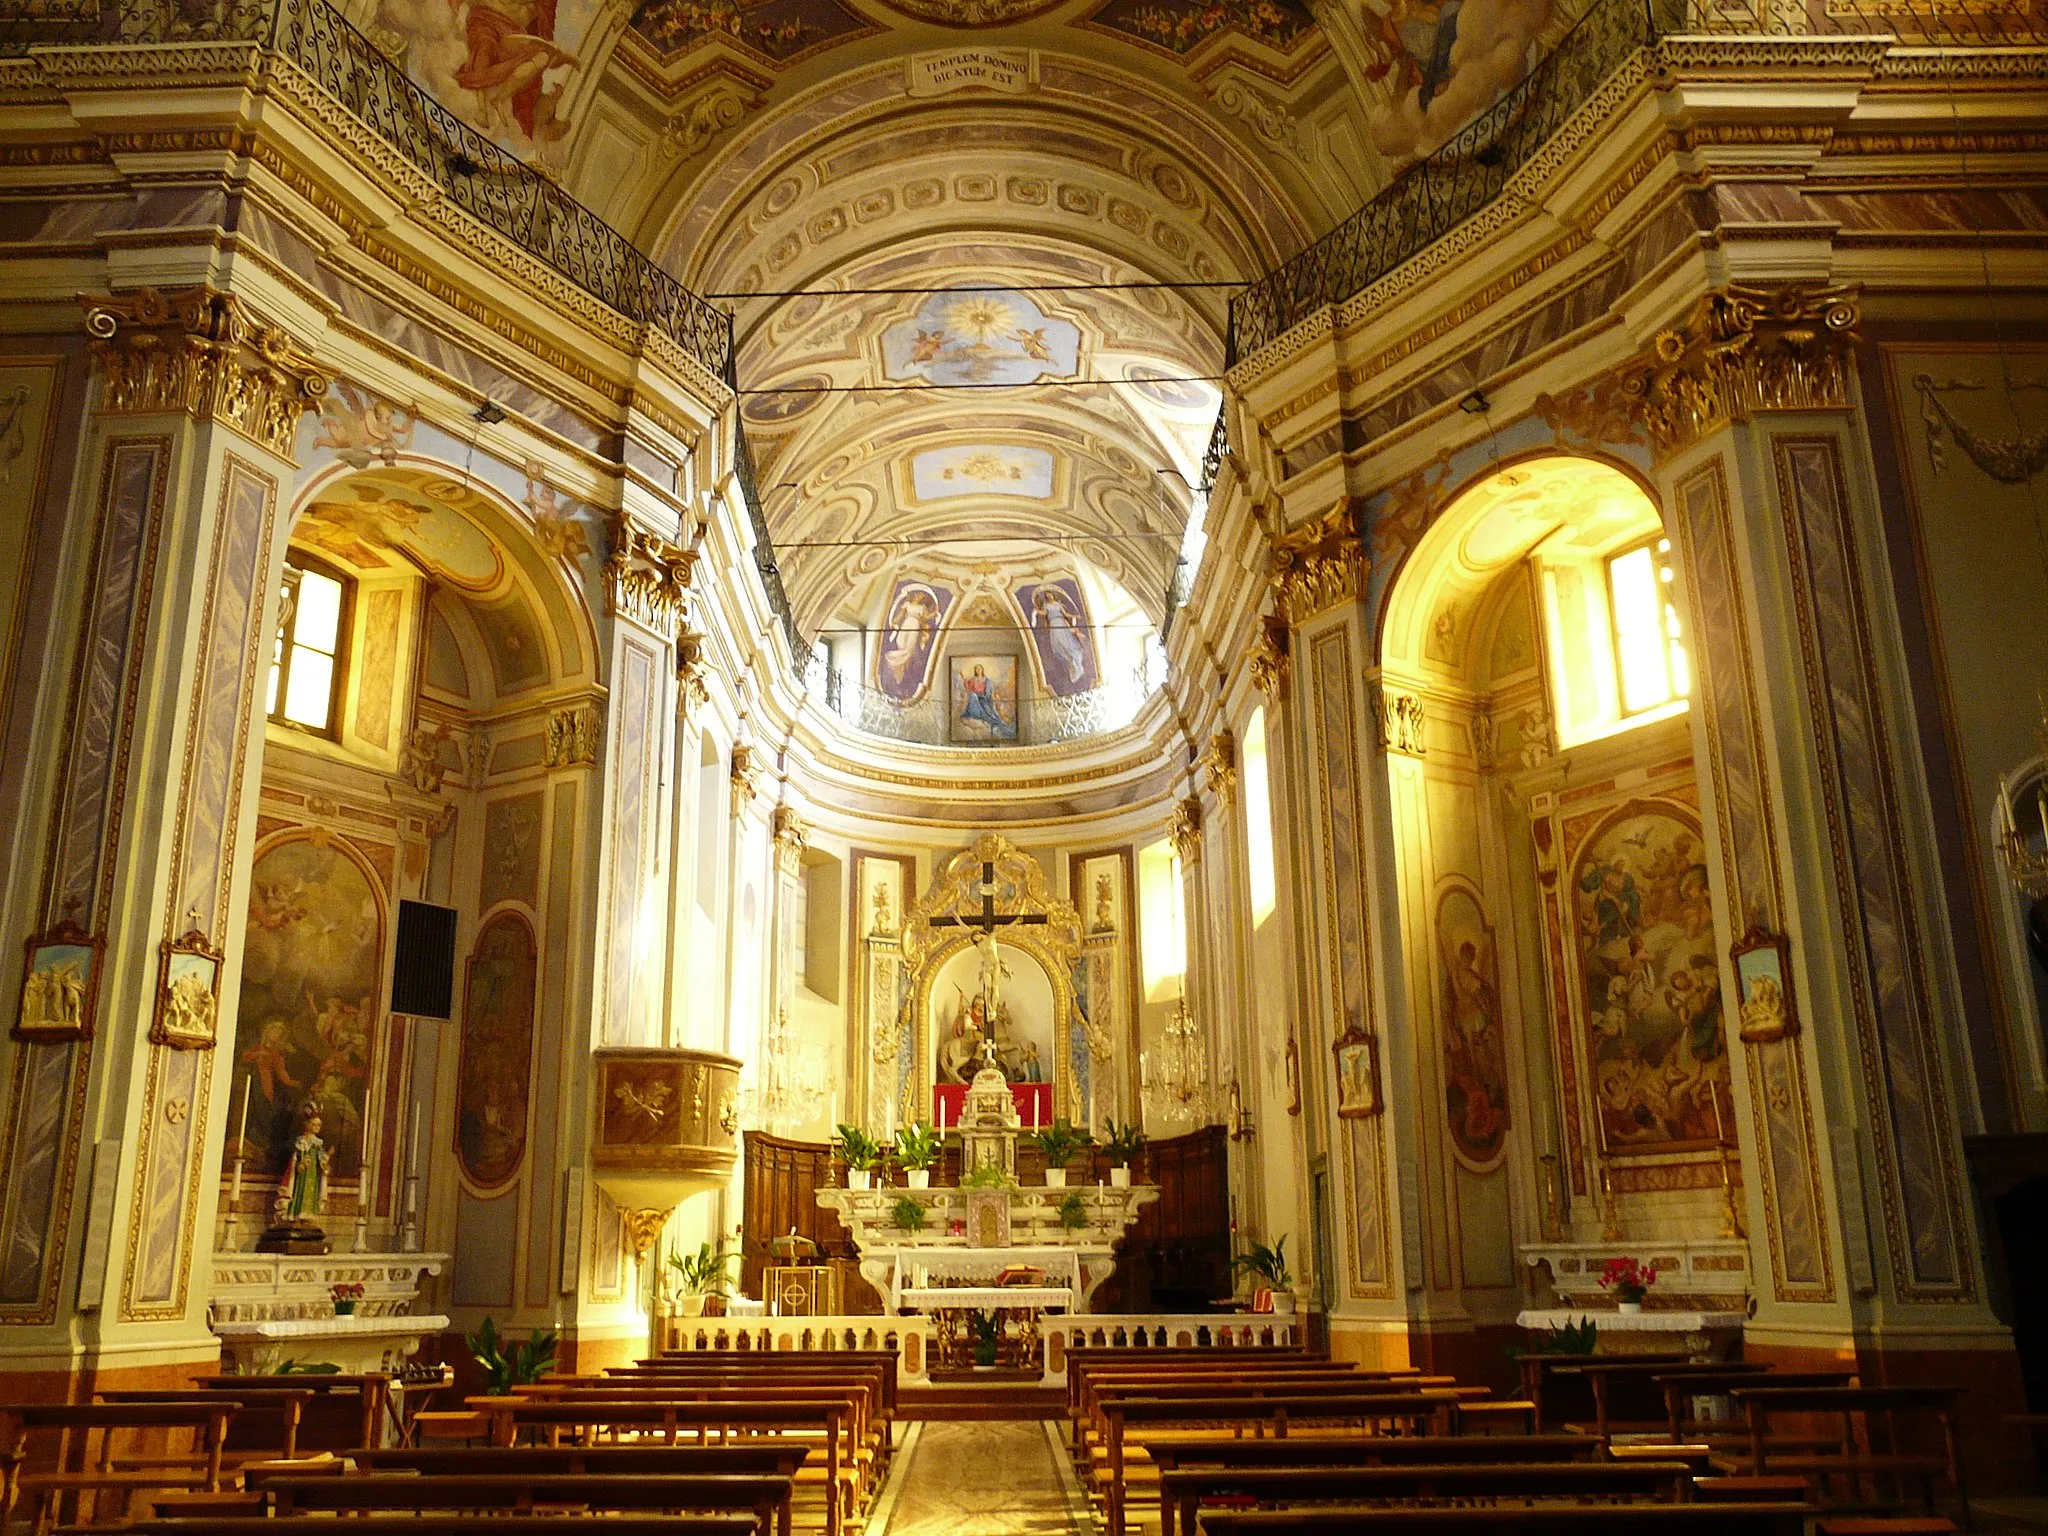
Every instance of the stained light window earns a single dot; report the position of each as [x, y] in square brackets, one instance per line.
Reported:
[1649, 653]
[305, 662]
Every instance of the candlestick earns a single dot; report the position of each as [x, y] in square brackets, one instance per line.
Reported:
[1714, 1090]
[412, 1155]
[242, 1128]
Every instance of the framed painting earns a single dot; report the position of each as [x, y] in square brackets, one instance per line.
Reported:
[187, 995]
[983, 696]
[60, 989]
[1763, 985]
[1358, 1073]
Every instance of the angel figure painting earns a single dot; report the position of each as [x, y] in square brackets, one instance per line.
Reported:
[1474, 1050]
[1057, 616]
[502, 66]
[916, 611]
[497, 1051]
[1652, 981]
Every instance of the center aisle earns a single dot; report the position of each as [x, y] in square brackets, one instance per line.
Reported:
[992, 1477]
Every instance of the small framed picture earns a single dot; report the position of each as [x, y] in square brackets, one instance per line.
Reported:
[188, 995]
[1763, 980]
[60, 989]
[1358, 1073]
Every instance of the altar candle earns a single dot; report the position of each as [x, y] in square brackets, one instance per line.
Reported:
[412, 1156]
[241, 1141]
[1720, 1136]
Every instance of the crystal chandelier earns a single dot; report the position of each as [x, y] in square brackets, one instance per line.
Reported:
[2027, 866]
[1177, 1083]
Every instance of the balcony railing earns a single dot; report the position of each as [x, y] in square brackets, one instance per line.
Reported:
[764, 552]
[493, 186]
[1433, 195]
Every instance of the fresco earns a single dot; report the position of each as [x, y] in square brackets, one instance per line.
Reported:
[1179, 26]
[503, 66]
[496, 1076]
[1172, 389]
[1652, 981]
[984, 469]
[1441, 62]
[369, 525]
[1474, 1039]
[980, 338]
[312, 973]
[984, 699]
[1056, 614]
[917, 610]
[778, 30]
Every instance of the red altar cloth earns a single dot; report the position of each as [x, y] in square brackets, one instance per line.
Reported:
[1033, 1100]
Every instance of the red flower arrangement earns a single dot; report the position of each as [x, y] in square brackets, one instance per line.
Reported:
[1629, 1279]
[346, 1294]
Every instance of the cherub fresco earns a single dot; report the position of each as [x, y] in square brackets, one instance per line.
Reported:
[1443, 62]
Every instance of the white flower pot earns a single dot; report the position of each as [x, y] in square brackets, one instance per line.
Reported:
[692, 1306]
[1055, 1178]
[1283, 1303]
[919, 1178]
[1120, 1178]
[860, 1178]
[1628, 1308]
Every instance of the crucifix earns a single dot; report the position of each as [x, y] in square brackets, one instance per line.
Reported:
[988, 920]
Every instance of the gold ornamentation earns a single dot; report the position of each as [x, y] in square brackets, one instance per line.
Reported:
[1319, 565]
[1484, 731]
[646, 577]
[1398, 718]
[2014, 460]
[693, 672]
[643, 1227]
[1598, 414]
[204, 353]
[1020, 890]
[419, 759]
[1185, 828]
[1743, 350]
[1219, 765]
[573, 737]
[1270, 663]
[187, 994]
[884, 922]
[1105, 909]
[746, 776]
[792, 837]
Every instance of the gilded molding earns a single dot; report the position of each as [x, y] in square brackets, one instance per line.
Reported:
[1398, 719]
[204, 353]
[1271, 665]
[746, 776]
[1219, 765]
[646, 577]
[1318, 565]
[572, 738]
[792, 836]
[1743, 350]
[1184, 826]
[693, 674]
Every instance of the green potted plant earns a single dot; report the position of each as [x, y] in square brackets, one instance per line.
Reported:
[345, 1294]
[861, 1153]
[1061, 1143]
[987, 1178]
[1269, 1265]
[509, 1363]
[1073, 1212]
[917, 1149]
[908, 1215]
[1123, 1143]
[984, 1326]
[702, 1274]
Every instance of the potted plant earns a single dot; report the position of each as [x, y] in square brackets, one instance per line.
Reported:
[1123, 1143]
[345, 1294]
[984, 1326]
[908, 1215]
[1073, 1212]
[509, 1363]
[1061, 1143]
[1630, 1280]
[987, 1178]
[702, 1275]
[861, 1152]
[1269, 1265]
[917, 1149]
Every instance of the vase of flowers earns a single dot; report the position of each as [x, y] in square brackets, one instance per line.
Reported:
[1630, 1280]
[345, 1295]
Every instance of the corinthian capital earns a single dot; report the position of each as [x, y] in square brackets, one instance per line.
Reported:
[1318, 565]
[647, 577]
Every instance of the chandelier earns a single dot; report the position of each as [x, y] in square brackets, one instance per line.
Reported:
[2027, 866]
[1177, 1083]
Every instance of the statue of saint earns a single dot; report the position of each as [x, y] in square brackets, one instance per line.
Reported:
[302, 1195]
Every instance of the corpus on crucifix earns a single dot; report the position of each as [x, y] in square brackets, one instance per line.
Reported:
[975, 1031]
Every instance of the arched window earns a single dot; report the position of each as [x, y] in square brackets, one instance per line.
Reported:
[1258, 820]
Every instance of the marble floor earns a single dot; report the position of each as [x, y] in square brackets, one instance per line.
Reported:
[991, 1477]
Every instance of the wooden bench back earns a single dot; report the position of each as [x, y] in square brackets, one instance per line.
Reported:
[268, 1421]
[346, 1410]
[512, 1490]
[1533, 1520]
[1368, 1450]
[757, 1456]
[466, 1525]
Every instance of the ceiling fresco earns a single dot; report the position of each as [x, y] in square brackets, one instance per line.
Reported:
[982, 469]
[980, 337]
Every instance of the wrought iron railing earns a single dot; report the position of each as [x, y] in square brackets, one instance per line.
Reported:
[1217, 451]
[490, 184]
[764, 552]
[1042, 718]
[1433, 195]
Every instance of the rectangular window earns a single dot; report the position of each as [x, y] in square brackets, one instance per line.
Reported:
[305, 662]
[1258, 820]
[1649, 655]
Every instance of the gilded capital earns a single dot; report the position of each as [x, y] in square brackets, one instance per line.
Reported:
[206, 354]
[646, 577]
[1271, 666]
[572, 737]
[792, 837]
[1318, 565]
[1185, 828]
[1398, 717]
[746, 776]
[1219, 765]
[693, 672]
[1743, 350]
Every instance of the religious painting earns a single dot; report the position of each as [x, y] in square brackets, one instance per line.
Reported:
[1473, 1038]
[312, 965]
[980, 338]
[984, 699]
[1358, 1073]
[917, 610]
[1764, 1007]
[1180, 26]
[503, 66]
[187, 995]
[1172, 389]
[1056, 614]
[780, 30]
[371, 523]
[496, 1076]
[1016, 991]
[362, 428]
[1652, 980]
[1442, 62]
[60, 990]
[981, 469]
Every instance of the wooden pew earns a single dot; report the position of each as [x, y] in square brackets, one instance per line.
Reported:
[1404, 1413]
[468, 1525]
[1554, 1385]
[1878, 1455]
[1505, 1520]
[1628, 1397]
[778, 1458]
[863, 1384]
[345, 1410]
[777, 1359]
[1182, 1490]
[267, 1426]
[766, 1497]
[208, 1421]
[1263, 1357]
[1099, 1389]
[1680, 1387]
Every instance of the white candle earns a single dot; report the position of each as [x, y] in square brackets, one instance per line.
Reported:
[241, 1143]
[412, 1156]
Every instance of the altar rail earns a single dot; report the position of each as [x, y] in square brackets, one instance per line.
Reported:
[911, 1337]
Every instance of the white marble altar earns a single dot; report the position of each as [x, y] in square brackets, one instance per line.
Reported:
[268, 1308]
[1704, 1335]
[1708, 1271]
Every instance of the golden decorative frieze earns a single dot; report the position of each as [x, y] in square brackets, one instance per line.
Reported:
[1743, 350]
[1398, 717]
[1271, 666]
[746, 776]
[573, 737]
[1219, 765]
[1319, 565]
[792, 836]
[1184, 826]
[646, 577]
[203, 353]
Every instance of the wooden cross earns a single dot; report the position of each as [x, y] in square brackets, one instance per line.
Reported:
[987, 919]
